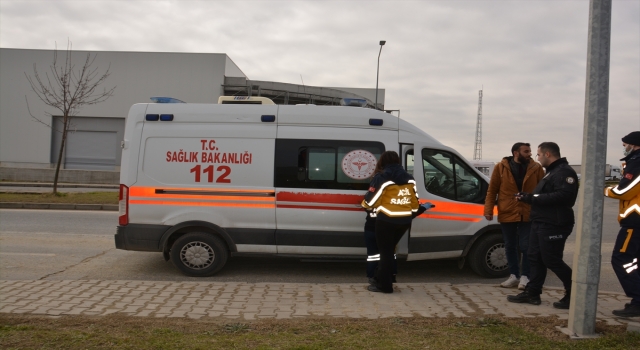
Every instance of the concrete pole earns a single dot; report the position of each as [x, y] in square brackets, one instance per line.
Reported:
[586, 261]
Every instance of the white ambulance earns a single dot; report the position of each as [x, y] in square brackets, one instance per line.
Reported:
[202, 182]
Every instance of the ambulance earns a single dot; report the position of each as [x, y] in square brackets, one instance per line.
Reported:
[200, 183]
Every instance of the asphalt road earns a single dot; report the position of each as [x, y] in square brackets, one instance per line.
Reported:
[71, 245]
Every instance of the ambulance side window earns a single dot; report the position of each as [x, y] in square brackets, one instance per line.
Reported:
[320, 163]
[447, 176]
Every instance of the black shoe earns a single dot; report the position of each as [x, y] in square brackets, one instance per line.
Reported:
[563, 303]
[373, 281]
[525, 297]
[393, 279]
[630, 310]
[373, 288]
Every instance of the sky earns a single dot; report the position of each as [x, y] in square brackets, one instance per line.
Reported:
[528, 56]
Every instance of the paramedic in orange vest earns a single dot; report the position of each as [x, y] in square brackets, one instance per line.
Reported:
[626, 251]
[393, 200]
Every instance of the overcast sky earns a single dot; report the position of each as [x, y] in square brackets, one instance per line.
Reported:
[529, 56]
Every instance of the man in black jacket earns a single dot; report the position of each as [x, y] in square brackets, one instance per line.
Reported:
[552, 220]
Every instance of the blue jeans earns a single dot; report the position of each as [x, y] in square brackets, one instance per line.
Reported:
[516, 235]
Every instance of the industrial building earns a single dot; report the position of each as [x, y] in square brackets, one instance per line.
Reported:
[30, 135]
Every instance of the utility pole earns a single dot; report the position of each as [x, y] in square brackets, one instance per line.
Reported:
[587, 260]
[477, 151]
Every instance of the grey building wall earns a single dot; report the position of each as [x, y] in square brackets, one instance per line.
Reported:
[28, 141]
[25, 142]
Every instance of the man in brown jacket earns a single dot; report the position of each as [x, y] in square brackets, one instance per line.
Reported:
[512, 175]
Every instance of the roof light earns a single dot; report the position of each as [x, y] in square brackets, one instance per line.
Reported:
[166, 117]
[166, 100]
[353, 102]
[268, 118]
[152, 117]
[376, 122]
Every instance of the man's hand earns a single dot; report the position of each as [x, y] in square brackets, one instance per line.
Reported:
[489, 217]
[524, 197]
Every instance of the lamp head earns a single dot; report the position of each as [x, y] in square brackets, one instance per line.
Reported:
[382, 42]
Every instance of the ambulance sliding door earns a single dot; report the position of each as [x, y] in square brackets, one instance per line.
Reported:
[320, 184]
[458, 191]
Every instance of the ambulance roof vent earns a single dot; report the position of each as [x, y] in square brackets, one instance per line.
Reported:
[245, 100]
[165, 100]
[353, 102]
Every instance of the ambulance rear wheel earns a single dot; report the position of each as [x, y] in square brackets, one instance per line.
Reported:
[488, 257]
[199, 254]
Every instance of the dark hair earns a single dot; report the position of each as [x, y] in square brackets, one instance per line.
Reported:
[517, 145]
[386, 158]
[550, 147]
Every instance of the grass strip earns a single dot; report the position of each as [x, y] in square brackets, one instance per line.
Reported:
[125, 332]
[62, 197]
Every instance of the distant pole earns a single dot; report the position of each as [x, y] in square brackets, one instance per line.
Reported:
[382, 42]
[586, 261]
[477, 150]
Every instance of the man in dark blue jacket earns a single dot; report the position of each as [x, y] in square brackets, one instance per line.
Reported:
[552, 221]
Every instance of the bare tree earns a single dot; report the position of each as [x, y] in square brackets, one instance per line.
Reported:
[68, 89]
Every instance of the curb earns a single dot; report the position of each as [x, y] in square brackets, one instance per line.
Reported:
[58, 206]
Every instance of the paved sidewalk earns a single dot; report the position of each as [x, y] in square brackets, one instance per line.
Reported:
[248, 301]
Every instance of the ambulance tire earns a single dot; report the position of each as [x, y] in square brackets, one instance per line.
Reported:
[199, 254]
[488, 258]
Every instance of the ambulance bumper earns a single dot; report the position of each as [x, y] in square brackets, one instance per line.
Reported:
[140, 237]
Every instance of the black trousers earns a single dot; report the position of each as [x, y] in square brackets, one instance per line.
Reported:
[625, 259]
[373, 253]
[387, 237]
[546, 247]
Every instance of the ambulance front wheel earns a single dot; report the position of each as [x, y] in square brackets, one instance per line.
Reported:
[199, 254]
[488, 257]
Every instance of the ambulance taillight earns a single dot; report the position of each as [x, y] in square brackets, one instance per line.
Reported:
[123, 205]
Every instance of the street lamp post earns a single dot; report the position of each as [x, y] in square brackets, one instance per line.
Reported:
[382, 42]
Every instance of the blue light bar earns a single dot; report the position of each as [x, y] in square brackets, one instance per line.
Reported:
[165, 100]
[268, 118]
[166, 117]
[353, 102]
[152, 117]
[375, 122]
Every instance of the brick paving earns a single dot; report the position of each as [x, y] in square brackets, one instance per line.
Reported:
[249, 301]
